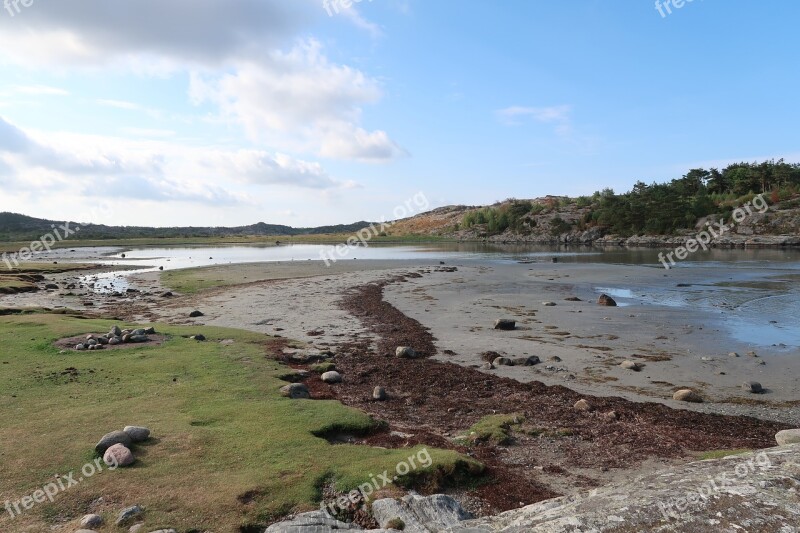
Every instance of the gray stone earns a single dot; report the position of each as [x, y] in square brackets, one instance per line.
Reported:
[526, 361]
[150, 331]
[137, 433]
[195, 314]
[114, 341]
[127, 515]
[80, 347]
[136, 332]
[118, 455]
[332, 377]
[631, 365]
[405, 352]
[420, 513]
[136, 528]
[379, 394]
[92, 521]
[313, 522]
[138, 339]
[606, 300]
[759, 493]
[110, 439]
[753, 387]
[503, 361]
[86, 531]
[296, 391]
[687, 395]
[102, 340]
[788, 436]
[116, 331]
[505, 324]
[549, 304]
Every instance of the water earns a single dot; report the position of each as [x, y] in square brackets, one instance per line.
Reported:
[756, 293]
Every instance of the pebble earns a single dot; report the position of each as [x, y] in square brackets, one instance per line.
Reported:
[379, 394]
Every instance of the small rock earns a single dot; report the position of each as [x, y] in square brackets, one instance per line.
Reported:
[116, 332]
[167, 294]
[788, 436]
[606, 301]
[526, 361]
[150, 331]
[296, 391]
[549, 304]
[126, 515]
[487, 366]
[80, 347]
[503, 361]
[126, 337]
[137, 433]
[118, 455]
[195, 314]
[102, 340]
[332, 377]
[583, 406]
[573, 299]
[113, 341]
[110, 439]
[753, 387]
[199, 337]
[687, 395]
[138, 339]
[405, 352]
[555, 359]
[92, 521]
[733, 354]
[137, 332]
[505, 324]
[379, 394]
[631, 365]
[611, 416]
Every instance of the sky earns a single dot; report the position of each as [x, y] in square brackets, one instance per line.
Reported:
[314, 112]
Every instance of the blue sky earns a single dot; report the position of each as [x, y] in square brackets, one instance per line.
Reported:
[212, 112]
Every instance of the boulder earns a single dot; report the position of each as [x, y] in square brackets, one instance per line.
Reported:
[332, 377]
[379, 394]
[114, 341]
[199, 337]
[788, 436]
[606, 301]
[631, 365]
[419, 513]
[129, 514]
[687, 395]
[295, 391]
[92, 521]
[315, 521]
[505, 324]
[110, 439]
[405, 352]
[137, 433]
[753, 387]
[118, 455]
[749, 492]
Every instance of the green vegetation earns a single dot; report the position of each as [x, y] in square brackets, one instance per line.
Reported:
[228, 450]
[494, 428]
[658, 208]
[323, 367]
[719, 454]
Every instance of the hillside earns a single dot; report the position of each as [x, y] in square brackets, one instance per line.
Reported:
[16, 227]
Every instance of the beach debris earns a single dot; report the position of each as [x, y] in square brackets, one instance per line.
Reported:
[788, 436]
[631, 365]
[379, 394]
[296, 391]
[753, 387]
[332, 377]
[195, 314]
[505, 324]
[405, 352]
[606, 300]
[687, 395]
[583, 406]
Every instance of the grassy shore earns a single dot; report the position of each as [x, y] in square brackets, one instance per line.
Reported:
[228, 450]
[24, 277]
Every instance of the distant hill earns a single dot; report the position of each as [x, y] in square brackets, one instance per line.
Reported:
[16, 227]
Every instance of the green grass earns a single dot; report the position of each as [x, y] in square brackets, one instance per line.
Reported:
[494, 428]
[221, 429]
[719, 454]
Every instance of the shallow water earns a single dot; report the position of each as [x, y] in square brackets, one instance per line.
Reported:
[758, 302]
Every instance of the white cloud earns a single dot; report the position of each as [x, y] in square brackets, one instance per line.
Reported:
[560, 116]
[300, 101]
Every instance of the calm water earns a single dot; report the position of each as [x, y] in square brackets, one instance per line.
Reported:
[755, 292]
